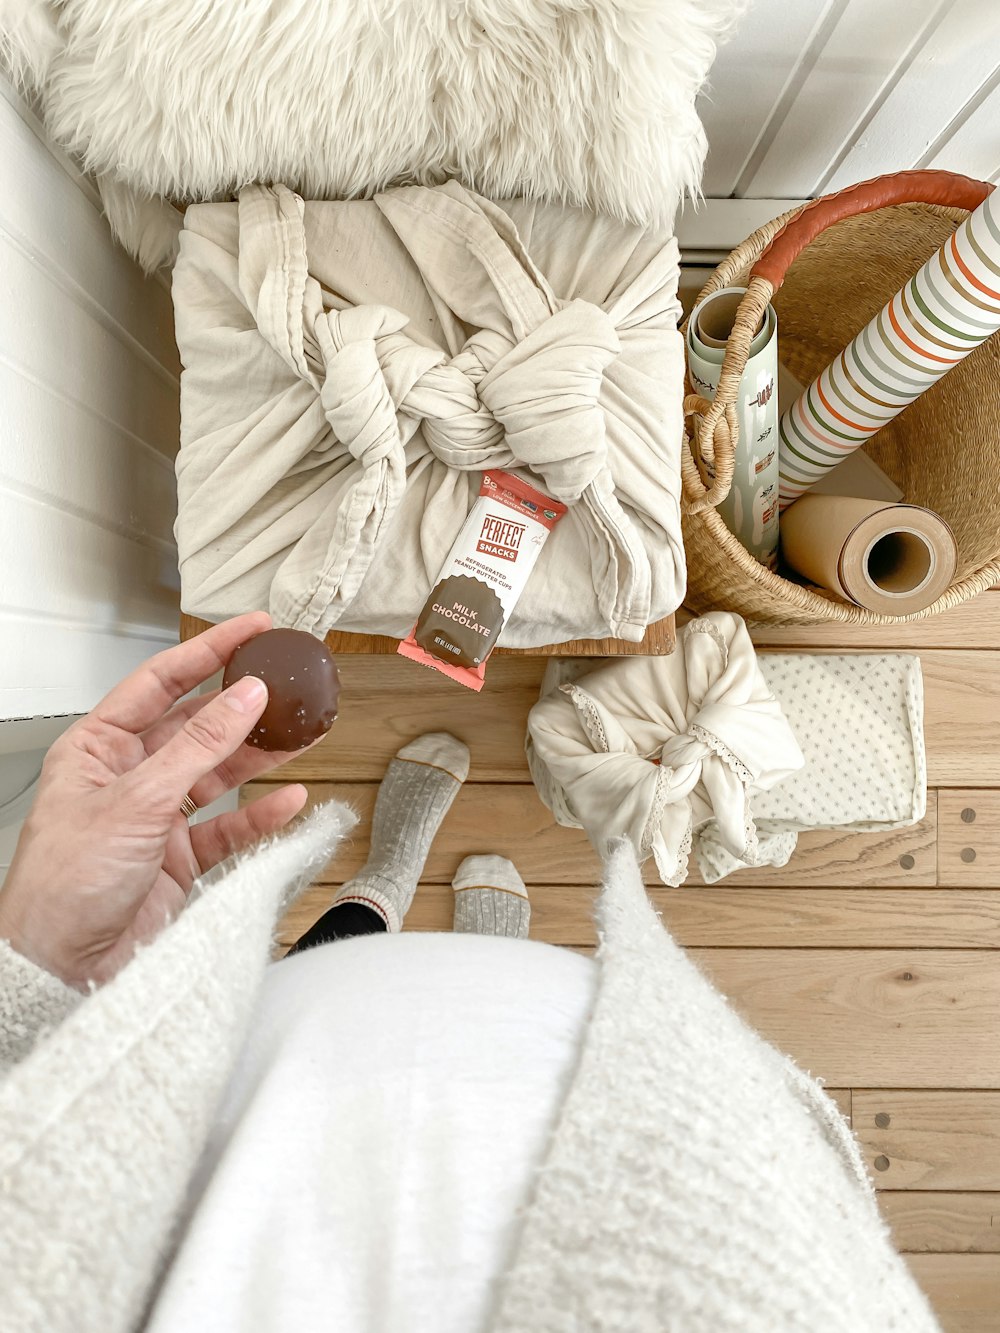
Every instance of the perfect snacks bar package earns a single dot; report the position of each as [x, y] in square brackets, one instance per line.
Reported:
[483, 577]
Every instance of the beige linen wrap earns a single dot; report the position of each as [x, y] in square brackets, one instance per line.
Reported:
[350, 369]
[728, 753]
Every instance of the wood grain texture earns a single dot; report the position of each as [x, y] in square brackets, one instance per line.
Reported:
[930, 1140]
[841, 1098]
[974, 624]
[387, 701]
[869, 966]
[961, 713]
[721, 917]
[509, 819]
[963, 1289]
[969, 839]
[871, 1018]
[857, 1017]
[935, 1221]
[659, 639]
[962, 718]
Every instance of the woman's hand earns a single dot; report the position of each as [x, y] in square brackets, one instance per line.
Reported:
[106, 859]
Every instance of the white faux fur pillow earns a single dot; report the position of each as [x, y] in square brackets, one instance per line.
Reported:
[590, 102]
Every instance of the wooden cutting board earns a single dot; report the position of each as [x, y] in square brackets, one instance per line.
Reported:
[658, 641]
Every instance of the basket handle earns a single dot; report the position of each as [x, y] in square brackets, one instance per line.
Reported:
[708, 474]
[901, 187]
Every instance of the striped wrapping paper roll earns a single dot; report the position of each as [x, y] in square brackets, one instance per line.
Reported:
[950, 307]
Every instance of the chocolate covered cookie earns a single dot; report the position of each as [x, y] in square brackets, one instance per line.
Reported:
[303, 687]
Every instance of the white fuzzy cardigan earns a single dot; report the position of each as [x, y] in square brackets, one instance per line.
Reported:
[696, 1181]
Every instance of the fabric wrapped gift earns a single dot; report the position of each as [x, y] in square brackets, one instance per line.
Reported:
[640, 748]
[350, 369]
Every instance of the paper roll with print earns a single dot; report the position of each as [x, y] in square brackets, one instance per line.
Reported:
[750, 510]
[945, 311]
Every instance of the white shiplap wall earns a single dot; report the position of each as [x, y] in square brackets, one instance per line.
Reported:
[88, 430]
[813, 95]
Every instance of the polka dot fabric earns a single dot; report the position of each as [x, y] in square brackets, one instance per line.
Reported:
[859, 722]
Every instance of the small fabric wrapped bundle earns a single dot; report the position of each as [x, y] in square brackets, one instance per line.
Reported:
[653, 748]
[695, 749]
[351, 369]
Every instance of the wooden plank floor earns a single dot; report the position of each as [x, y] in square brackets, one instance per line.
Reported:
[872, 959]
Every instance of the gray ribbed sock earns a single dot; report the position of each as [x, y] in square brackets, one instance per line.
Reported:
[490, 898]
[416, 793]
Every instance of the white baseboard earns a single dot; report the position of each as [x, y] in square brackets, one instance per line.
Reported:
[707, 232]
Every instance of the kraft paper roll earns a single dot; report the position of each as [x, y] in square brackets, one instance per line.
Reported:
[949, 307]
[893, 559]
[750, 510]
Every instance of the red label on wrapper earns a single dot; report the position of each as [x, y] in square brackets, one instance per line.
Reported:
[484, 575]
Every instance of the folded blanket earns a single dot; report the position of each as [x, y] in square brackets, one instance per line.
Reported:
[859, 718]
[694, 750]
[351, 368]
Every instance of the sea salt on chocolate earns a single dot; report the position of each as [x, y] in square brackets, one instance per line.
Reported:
[485, 573]
[303, 687]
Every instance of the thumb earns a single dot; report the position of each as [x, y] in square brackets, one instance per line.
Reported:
[206, 740]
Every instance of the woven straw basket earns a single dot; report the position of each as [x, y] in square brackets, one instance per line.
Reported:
[828, 268]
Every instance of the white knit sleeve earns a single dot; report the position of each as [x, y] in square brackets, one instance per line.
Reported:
[32, 1001]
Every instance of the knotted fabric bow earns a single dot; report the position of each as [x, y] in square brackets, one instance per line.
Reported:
[522, 392]
[350, 368]
[652, 748]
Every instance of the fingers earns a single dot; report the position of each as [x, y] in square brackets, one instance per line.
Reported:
[170, 724]
[237, 829]
[247, 763]
[142, 698]
[207, 739]
[179, 858]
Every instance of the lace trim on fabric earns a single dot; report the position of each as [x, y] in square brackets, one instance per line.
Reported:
[683, 855]
[589, 716]
[646, 847]
[712, 630]
[656, 809]
[751, 849]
